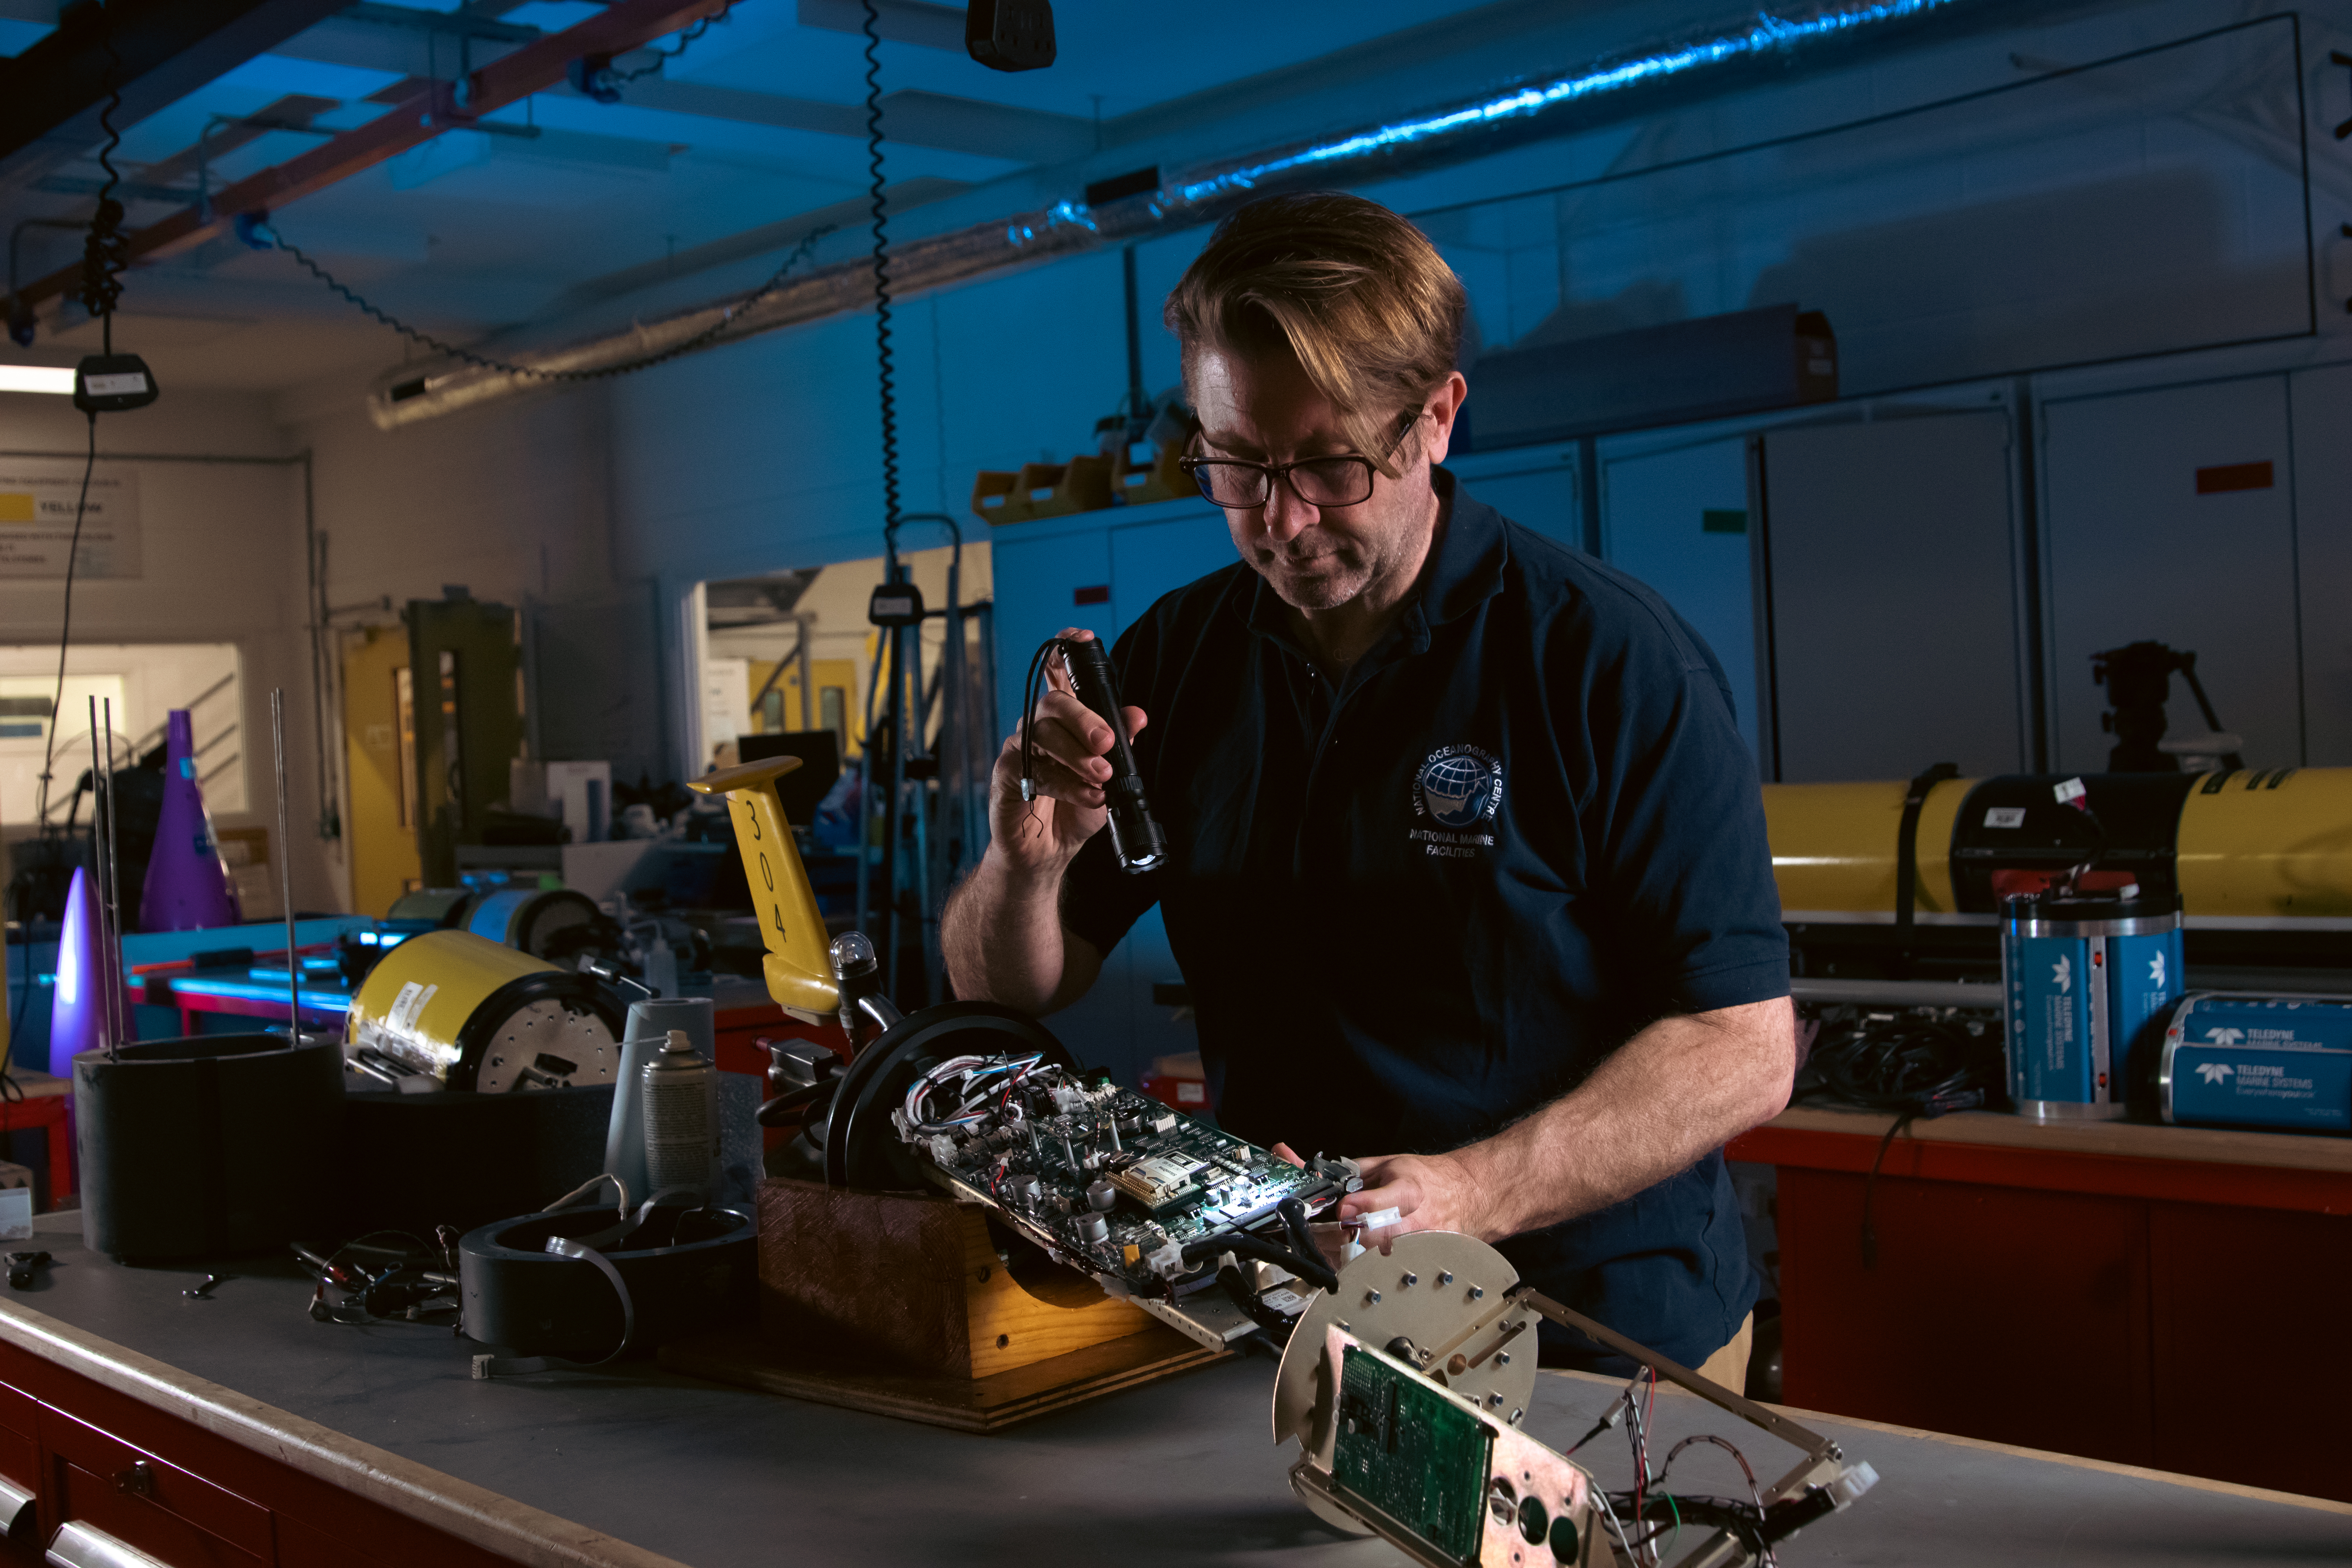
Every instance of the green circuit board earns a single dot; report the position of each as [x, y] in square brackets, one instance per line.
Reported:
[1171, 1180]
[1404, 1448]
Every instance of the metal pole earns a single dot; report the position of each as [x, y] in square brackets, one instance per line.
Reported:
[286, 868]
[97, 875]
[117, 999]
[894, 819]
[808, 669]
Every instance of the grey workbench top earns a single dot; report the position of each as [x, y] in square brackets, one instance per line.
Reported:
[1181, 1472]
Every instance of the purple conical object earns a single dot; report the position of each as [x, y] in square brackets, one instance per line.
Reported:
[77, 1006]
[188, 887]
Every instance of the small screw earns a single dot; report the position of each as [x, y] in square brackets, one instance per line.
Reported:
[1502, 1358]
[1493, 1402]
[1445, 1278]
[1411, 1279]
[1372, 1298]
[1477, 1292]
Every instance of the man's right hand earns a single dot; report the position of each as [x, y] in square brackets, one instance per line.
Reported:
[1039, 838]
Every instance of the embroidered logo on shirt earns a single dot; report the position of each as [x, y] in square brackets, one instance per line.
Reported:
[1459, 788]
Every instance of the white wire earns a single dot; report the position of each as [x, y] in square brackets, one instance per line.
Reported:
[1610, 1514]
[969, 1072]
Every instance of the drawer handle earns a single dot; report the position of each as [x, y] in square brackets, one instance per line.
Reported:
[16, 1511]
[139, 1481]
[78, 1546]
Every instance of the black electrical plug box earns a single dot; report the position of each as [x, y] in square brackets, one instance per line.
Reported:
[1009, 34]
[111, 383]
[896, 605]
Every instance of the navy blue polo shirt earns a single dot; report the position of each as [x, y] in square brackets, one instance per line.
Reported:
[1418, 901]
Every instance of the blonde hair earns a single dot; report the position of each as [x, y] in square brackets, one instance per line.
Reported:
[1358, 294]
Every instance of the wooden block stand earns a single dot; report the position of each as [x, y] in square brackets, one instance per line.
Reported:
[899, 1303]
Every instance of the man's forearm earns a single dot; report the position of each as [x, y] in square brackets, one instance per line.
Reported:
[1678, 1089]
[1000, 934]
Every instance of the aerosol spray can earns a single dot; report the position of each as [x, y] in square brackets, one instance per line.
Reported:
[681, 1118]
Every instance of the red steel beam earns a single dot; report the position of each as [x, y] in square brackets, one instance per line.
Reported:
[415, 119]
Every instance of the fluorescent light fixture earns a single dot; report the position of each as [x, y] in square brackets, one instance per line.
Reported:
[38, 378]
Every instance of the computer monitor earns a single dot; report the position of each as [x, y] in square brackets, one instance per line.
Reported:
[820, 754]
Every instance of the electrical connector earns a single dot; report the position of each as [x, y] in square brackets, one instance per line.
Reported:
[1851, 1483]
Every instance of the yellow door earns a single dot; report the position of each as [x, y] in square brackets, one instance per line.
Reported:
[831, 707]
[382, 824]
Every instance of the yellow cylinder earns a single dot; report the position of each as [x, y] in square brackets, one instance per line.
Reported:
[1834, 845]
[469, 1013]
[2271, 843]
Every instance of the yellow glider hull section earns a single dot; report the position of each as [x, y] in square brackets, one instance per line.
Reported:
[799, 965]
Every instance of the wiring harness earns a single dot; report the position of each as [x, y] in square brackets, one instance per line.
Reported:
[1648, 1502]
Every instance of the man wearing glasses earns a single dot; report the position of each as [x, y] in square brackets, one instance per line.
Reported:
[1467, 872]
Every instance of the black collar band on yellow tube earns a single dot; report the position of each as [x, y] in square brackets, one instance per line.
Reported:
[799, 965]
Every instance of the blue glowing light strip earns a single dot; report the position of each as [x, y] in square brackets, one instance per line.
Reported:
[1763, 34]
[243, 991]
[1767, 32]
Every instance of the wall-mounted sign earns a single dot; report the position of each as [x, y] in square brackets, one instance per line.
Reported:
[37, 499]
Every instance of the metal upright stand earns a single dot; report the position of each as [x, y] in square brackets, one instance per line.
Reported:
[933, 809]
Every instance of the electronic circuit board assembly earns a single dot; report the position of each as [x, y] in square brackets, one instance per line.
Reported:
[1120, 1186]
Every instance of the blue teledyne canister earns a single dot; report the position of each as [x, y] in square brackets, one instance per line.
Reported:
[2246, 1060]
[2088, 978]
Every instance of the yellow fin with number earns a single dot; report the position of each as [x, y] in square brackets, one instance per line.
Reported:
[799, 965]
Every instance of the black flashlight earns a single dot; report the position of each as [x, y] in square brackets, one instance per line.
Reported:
[1134, 836]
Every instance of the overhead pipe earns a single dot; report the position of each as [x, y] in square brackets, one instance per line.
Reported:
[1702, 61]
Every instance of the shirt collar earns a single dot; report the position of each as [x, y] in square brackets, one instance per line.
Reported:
[1470, 556]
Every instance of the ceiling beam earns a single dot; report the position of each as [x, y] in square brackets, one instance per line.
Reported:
[294, 111]
[52, 94]
[448, 24]
[434, 108]
[914, 119]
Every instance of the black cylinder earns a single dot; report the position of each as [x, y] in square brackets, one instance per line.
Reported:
[207, 1145]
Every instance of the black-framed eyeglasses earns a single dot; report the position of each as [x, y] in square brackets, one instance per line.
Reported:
[1345, 480]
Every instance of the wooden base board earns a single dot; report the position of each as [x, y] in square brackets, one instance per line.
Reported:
[963, 1405]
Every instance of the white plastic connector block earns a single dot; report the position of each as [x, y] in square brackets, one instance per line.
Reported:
[1069, 1099]
[942, 1148]
[1851, 1483]
[1168, 1262]
[2070, 792]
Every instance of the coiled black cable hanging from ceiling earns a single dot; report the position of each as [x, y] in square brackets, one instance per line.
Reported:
[106, 252]
[882, 361]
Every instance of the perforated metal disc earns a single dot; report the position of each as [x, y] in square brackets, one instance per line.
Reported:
[1376, 1304]
[547, 1045]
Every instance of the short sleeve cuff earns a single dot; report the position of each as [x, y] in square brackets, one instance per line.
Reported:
[1764, 980]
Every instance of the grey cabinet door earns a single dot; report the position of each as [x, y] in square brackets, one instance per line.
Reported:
[2323, 548]
[2172, 519]
[1893, 637]
[1678, 520]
